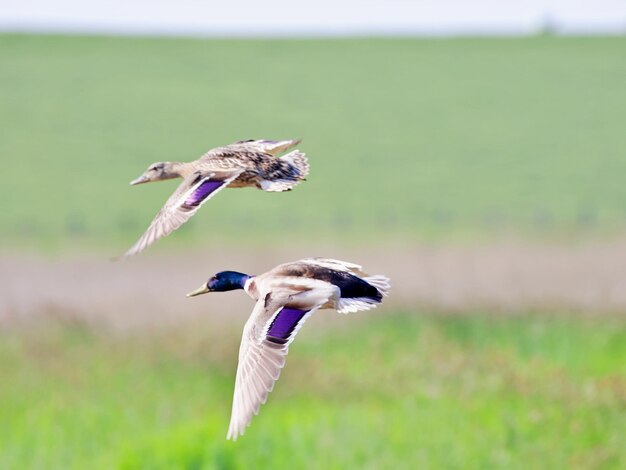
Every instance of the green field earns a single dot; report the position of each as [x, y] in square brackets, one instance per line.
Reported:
[411, 142]
[400, 391]
[408, 139]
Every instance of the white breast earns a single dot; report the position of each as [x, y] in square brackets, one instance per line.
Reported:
[251, 288]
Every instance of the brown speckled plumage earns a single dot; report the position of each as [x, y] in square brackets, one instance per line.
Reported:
[251, 163]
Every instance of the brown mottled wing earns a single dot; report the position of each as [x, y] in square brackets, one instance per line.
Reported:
[264, 346]
[336, 264]
[194, 191]
[267, 147]
[309, 267]
[273, 147]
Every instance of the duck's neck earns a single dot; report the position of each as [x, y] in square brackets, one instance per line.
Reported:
[240, 279]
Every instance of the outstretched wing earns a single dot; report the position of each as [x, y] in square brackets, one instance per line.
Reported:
[264, 345]
[264, 147]
[194, 191]
[273, 147]
[336, 264]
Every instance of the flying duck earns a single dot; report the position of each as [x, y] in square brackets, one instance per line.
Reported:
[247, 163]
[285, 297]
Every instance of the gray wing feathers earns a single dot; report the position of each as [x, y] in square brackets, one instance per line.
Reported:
[273, 147]
[173, 215]
[260, 363]
[257, 372]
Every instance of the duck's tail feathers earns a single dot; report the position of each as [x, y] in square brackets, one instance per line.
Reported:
[299, 163]
[278, 185]
[380, 282]
[295, 171]
[358, 304]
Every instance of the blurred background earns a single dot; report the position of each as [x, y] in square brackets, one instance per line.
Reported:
[472, 151]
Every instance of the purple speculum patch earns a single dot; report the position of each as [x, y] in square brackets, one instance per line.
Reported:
[201, 193]
[284, 323]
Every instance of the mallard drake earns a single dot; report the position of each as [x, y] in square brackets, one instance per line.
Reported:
[247, 163]
[285, 297]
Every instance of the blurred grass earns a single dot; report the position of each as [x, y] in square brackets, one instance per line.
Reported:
[399, 391]
[408, 139]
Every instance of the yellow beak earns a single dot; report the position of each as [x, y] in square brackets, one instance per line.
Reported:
[201, 290]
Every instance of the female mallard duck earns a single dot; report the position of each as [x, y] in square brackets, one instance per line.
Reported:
[249, 163]
[285, 297]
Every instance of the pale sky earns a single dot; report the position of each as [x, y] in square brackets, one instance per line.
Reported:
[314, 17]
